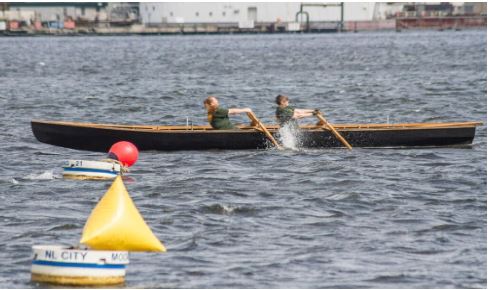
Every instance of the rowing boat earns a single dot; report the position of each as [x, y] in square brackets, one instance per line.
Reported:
[99, 137]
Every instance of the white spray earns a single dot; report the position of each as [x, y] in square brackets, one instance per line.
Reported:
[290, 137]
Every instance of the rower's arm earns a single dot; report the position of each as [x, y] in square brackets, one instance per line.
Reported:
[302, 113]
[239, 111]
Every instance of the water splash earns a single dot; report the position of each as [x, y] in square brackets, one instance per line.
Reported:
[290, 137]
[47, 175]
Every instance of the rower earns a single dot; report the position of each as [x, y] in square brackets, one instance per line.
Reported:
[288, 115]
[218, 117]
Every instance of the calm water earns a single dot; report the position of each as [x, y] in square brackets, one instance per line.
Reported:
[383, 218]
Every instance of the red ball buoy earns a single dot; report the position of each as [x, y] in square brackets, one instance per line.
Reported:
[125, 152]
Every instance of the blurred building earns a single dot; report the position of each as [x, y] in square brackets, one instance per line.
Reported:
[235, 17]
[82, 12]
[231, 12]
[55, 11]
[442, 15]
[443, 9]
[123, 12]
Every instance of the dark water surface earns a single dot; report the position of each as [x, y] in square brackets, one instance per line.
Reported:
[382, 218]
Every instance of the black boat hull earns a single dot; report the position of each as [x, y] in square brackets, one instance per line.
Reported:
[101, 139]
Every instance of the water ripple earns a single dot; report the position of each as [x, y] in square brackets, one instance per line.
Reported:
[301, 218]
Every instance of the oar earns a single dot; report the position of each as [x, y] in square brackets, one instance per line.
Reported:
[338, 136]
[256, 121]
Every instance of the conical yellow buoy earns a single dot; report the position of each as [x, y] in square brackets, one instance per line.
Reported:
[116, 224]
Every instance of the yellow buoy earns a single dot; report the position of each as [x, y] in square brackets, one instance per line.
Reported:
[116, 224]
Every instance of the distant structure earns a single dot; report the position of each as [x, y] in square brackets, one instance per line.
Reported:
[44, 14]
[228, 12]
[123, 12]
[116, 18]
[55, 11]
[266, 17]
[441, 16]
[419, 9]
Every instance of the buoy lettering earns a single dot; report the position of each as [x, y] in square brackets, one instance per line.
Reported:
[49, 255]
[73, 255]
[123, 257]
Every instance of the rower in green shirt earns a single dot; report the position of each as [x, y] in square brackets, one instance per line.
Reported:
[287, 114]
[219, 117]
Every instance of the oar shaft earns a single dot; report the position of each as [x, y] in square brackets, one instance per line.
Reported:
[334, 131]
[255, 120]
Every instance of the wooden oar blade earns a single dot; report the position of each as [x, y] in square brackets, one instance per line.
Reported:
[256, 121]
[333, 130]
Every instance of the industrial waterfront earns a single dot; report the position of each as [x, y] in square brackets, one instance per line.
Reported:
[118, 18]
[304, 218]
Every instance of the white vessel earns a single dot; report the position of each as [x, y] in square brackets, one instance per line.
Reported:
[85, 169]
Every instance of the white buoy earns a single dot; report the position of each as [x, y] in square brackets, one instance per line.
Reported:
[63, 265]
[85, 169]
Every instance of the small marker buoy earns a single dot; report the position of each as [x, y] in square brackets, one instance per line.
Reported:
[85, 169]
[63, 265]
[125, 152]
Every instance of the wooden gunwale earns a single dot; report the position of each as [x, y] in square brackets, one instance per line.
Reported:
[342, 127]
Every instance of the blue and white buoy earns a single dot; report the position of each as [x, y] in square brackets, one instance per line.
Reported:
[85, 169]
[63, 265]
